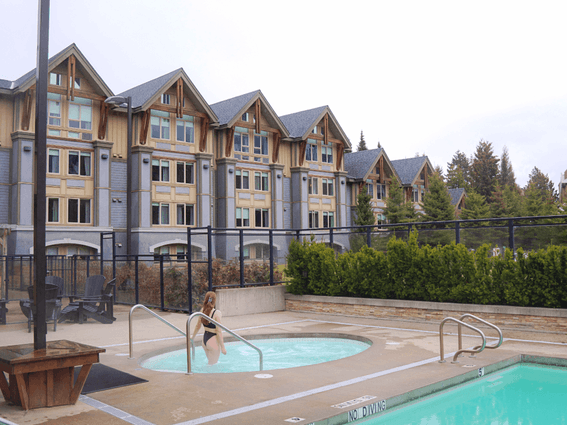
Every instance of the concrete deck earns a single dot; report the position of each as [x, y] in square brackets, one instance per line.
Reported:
[403, 358]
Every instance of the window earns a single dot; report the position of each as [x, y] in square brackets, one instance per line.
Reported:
[184, 172]
[185, 129]
[242, 217]
[381, 191]
[80, 117]
[313, 186]
[77, 82]
[53, 210]
[327, 153]
[80, 163]
[162, 251]
[245, 116]
[241, 140]
[55, 79]
[53, 161]
[311, 151]
[79, 211]
[165, 99]
[313, 219]
[262, 217]
[160, 213]
[185, 214]
[415, 194]
[328, 219]
[370, 188]
[160, 125]
[314, 130]
[261, 143]
[261, 181]
[160, 170]
[242, 179]
[54, 109]
[328, 189]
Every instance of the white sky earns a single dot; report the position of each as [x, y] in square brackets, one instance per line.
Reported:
[430, 76]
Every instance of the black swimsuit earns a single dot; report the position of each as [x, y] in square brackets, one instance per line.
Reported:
[208, 335]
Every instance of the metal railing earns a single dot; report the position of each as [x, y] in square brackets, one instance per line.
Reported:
[474, 350]
[157, 316]
[234, 334]
[493, 326]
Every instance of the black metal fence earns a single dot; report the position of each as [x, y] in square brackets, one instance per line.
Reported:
[224, 258]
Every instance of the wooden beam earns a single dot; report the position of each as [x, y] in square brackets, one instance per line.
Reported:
[204, 131]
[173, 110]
[80, 93]
[257, 112]
[229, 142]
[276, 147]
[302, 148]
[381, 165]
[145, 127]
[179, 98]
[28, 96]
[326, 127]
[81, 379]
[340, 154]
[71, 71]
[104, 107]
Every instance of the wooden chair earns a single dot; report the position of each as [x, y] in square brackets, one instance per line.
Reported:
[52, 305]
[98, 307]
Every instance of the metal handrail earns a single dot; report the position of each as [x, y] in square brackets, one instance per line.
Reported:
[474, 350]
[143, 307]
[493, 326]
[198, 313]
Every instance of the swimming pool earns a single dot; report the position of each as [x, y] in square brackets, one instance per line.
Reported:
[279, 353]
[525, 393]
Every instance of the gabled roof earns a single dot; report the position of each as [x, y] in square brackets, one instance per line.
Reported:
[456, 195]
[409, 169]
[27, 80]
[144, 95]
[360, 164]
[300, 124]
[230, 110]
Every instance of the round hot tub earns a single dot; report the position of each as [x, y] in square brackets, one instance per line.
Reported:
[279, 352]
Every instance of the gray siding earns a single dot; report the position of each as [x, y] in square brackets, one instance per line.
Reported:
[4, 187]
[118, 210]
[287, 202]
[349, 218]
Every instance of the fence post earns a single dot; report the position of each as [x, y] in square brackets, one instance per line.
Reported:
[511, 236]
[137, 288]
[331, 241]
[189, 272]
[241, 256]
[161, 283]
[368, 240]
[271, 233]
[457, 232]
[210, 260]
[409, 231]
[297, 235]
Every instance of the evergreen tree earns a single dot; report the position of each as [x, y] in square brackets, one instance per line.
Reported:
[497, 204]
[438, 170]
[535, 205]
[475, 207]
[437, 202]
[395, 210]
[362, 144]
[364, 214]
[458, 171]
[484, 169]
[507, 176]
[512, 202]
[542, 183]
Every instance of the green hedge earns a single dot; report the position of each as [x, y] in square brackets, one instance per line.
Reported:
[448, 273]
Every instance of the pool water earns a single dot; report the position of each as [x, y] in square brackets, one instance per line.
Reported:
[279, 353]
[524, 394]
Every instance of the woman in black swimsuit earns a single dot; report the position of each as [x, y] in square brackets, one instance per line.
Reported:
[212, 346]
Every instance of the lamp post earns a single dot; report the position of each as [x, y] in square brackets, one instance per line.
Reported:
[122, 101]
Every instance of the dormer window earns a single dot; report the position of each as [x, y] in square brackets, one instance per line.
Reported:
[165, 99]
[55, 79]
[245, 116]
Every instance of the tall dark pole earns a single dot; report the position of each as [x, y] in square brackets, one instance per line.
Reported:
[129, 181]
[40, 327]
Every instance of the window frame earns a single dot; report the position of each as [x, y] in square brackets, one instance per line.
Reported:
[370, 188]
[57, 77]
[328, 216]
[165, 99]
[162, 117]
[263, 145]
[160, 170]
[82, 104]
[311, 151]
[186, 209]
[313, 215]
[313, 186]
[80, 208]
[240, 212]
[263, 216]
[327, 153]
[81, 171]
[242, 177]
[161, 206]
[261, 181]
[328, 187]
[381, 191]
[58, 212]
[49, 163]
[185, 121]
[183, 175]
[241, 134]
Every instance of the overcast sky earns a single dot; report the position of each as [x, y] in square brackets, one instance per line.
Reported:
[427, 77]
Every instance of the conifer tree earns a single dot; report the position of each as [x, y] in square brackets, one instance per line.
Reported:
[475, 207]
[513, 202]
[437, 202]
[362, 144]
[484, 169]
[395, 210]
[507, 176]
[458, 171]
[543, 184]
[364, 214]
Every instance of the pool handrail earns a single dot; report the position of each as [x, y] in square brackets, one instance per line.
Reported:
[157, 316]
[234, 334]
[491, 325]
[474, 350]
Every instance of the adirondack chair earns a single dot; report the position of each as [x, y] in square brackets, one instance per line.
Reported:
[93, 288]
[52, 305]
[98, 307]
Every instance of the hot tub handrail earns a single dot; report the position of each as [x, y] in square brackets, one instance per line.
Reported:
[157, 316]
[474, 350]
[493, 326]
[234, 334]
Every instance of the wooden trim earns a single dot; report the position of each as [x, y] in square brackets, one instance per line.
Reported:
[381, 165]
[302, 148]
[24, 398]
[81, 379]
[27, 109]
[71, 69]
[79, 93]
[229, 142]
[257, 112]
[326, 127]
[179, 112]
[425, 176]
[104, 107]
[145, 127]
[340, 154]
[204, 132]
[173, 110]
[276, 148]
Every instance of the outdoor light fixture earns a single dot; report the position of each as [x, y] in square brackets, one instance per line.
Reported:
[206, 166]
[230, 170]
[304, 178]
[126, 102]
[104, 156]
[146, 160]
[27, 148]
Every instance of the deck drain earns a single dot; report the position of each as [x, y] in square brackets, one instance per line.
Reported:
[295, 420]
[263, 376]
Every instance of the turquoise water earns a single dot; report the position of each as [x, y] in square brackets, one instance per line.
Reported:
[278, 353]
[525, 394]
